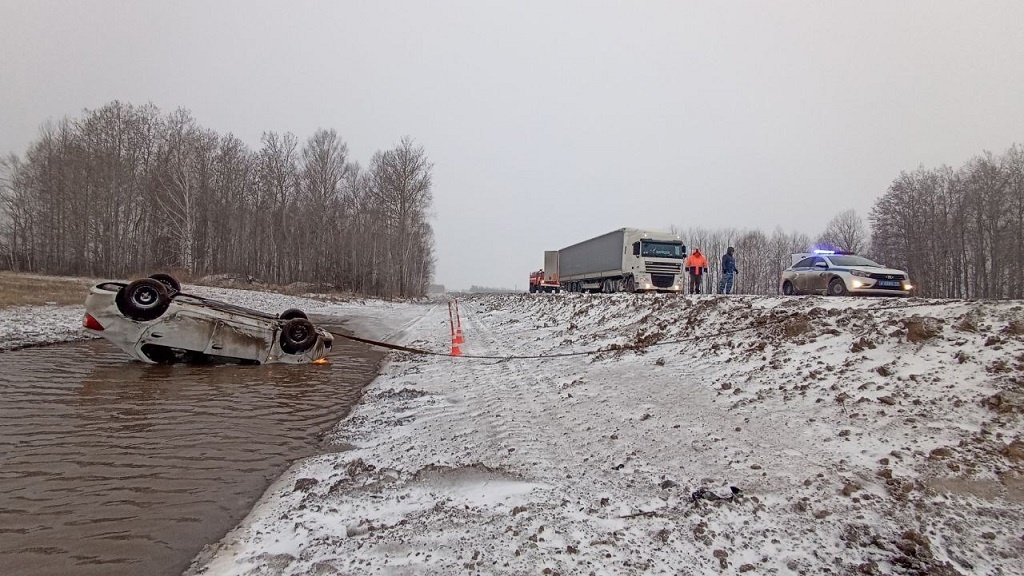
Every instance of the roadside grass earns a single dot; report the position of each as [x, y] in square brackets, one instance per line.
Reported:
[18, 289]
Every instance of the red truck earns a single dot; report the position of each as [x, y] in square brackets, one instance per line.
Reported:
[546, 279]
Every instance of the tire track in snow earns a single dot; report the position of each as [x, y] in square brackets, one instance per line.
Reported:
[509, 414]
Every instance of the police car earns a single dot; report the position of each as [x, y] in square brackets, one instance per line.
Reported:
[836, 273]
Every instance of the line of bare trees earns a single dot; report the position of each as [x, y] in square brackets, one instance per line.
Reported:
[126, 189]
[959, 233]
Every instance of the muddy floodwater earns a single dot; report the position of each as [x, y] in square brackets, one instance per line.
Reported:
[109, 466]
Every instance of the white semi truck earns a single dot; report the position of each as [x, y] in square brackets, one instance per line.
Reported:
[626, 260]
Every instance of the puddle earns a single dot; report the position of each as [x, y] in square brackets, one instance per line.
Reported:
[109, 466]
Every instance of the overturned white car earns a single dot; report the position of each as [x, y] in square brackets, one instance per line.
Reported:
[153, 321]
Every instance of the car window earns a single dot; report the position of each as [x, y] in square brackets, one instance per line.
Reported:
[805, 263]
[854, 261]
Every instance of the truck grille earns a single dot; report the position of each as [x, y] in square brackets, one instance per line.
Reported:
[669, 267]
[662, 280]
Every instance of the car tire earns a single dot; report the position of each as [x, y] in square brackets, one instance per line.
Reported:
[298, 335]
[836, 287]
[143, 300]
[172, 284]
[788, 289]
[292, 313]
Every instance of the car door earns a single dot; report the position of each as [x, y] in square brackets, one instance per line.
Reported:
[800, 271]
[817, 278]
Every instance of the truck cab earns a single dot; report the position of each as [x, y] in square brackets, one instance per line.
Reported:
[541, 282]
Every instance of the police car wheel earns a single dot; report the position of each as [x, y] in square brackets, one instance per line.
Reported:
[837, 287]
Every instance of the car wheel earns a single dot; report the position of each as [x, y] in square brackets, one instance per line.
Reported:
[837, 287]
[143, 300]
[292, 313]
[298, 335]
[172, 284]
[788, 289]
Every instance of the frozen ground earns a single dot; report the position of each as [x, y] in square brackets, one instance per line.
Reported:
[864, 436]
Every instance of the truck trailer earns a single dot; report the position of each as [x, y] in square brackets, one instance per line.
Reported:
[625, 260]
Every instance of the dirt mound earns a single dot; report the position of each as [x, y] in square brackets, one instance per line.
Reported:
[230, 281]
[921, 328]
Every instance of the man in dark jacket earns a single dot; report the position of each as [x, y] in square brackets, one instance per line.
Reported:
[729, 272]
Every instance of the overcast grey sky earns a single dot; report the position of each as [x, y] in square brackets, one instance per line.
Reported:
[552, 122]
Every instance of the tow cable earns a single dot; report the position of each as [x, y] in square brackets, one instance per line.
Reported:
[609, 348]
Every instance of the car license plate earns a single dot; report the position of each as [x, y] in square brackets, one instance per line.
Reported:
[889, 283]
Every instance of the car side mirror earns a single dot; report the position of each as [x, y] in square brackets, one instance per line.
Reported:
[821, 265]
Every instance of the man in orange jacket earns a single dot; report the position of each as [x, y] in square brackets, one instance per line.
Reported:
[697, 265]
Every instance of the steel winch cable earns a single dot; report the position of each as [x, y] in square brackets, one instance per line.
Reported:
[611, 348]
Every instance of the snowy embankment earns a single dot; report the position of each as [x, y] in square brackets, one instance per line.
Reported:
[864, 436]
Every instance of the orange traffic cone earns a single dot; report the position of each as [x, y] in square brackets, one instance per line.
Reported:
[458, 324]
[456, 351]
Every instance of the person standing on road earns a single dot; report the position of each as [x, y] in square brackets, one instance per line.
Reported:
[729, 272]
[696, 264]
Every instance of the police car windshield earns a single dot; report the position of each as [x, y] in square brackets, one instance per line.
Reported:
[661, 249]
[852, 261]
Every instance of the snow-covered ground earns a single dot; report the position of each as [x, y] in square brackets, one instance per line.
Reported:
[865, 436]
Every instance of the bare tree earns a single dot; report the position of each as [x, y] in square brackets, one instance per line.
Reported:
[846, 231]
[187, 165]
[400, 186]
[322, 174]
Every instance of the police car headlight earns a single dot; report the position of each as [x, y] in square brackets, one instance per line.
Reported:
[859, 273]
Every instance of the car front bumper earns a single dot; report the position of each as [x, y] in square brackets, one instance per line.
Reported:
[869, 287]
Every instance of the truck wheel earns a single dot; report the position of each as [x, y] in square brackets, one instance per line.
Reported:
[630, 284]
